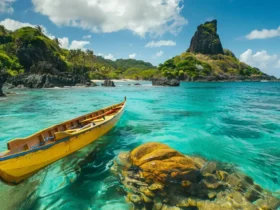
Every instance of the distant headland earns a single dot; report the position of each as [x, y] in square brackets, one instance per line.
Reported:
[207, 60]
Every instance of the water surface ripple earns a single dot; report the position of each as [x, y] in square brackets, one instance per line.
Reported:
[238, 123]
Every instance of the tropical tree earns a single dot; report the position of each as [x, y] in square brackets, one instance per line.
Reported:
[91, 58]
[39, 29]
[57, 41]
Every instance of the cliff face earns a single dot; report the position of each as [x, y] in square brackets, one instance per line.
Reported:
[206, 40]
[3, 78]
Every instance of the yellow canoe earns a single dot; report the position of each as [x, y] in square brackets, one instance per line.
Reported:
[26, 156]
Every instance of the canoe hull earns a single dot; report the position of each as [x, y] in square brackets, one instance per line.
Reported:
[17, 169]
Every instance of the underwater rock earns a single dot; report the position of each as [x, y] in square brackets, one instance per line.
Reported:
[210, 167]
[155, 161]
[158, 177]
[268, 203]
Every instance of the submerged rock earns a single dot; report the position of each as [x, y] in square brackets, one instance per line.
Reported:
[165, 82]
[155, 161]
[108, 83]
[158, 177]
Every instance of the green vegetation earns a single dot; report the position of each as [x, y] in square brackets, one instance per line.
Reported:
[124, 64]
[189, 66]
[28, 50]
[208, 27]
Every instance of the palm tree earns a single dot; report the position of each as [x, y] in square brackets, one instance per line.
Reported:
[91, 57]
[39, 29]
[57, 41]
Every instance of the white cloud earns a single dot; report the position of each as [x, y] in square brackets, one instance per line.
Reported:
[267, 63]
[264, 34]
[159, 54]
[154, 17]
[278, 64]
[87, 37]
[161, 43]
[6, 6]
[78, 45]
[132, 56]
[64, 42]
[13, 25]
[110, 57]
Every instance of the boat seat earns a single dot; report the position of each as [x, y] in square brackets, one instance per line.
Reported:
[19, 145]
[100, 116]
[63, 134]
[85, 127]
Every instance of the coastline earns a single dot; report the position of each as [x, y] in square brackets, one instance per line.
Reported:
[117, 80]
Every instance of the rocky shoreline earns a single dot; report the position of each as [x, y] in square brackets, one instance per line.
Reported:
[155, 176]
[165, 82]
[3, 79]
[48, 80]
[66, 80]
[224, 78]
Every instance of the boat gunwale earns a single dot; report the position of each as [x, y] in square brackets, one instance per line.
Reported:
[63, 139]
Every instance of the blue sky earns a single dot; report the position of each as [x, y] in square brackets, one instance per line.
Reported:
[123, 28]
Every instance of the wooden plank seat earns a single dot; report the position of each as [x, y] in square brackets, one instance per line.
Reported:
[66, 133]
[101, 115]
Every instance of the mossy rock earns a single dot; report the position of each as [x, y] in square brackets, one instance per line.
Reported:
[159, 162]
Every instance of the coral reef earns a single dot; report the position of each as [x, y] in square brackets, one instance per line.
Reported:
[158, 177]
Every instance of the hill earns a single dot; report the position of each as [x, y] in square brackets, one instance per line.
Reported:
[123, 68]
[29, 51]
[206, 60]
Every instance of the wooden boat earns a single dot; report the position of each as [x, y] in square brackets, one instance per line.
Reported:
[26, 156]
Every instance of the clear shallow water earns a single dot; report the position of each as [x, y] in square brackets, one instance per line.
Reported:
[237, 123]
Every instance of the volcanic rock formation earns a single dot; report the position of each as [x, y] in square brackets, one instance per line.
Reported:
[206, 40]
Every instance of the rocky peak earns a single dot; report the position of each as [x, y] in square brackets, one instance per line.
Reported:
[206, 40]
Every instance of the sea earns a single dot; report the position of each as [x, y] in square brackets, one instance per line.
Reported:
[232, 122]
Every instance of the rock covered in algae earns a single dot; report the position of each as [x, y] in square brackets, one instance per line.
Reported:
[158, 162]
[158, 177]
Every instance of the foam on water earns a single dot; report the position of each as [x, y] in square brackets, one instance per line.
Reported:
[236, 123]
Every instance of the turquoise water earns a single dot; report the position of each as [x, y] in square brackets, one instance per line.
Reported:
[237, 123]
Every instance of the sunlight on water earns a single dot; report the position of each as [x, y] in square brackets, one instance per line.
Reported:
[236, 123]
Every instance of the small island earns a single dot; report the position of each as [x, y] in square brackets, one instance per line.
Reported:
[206, 60]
